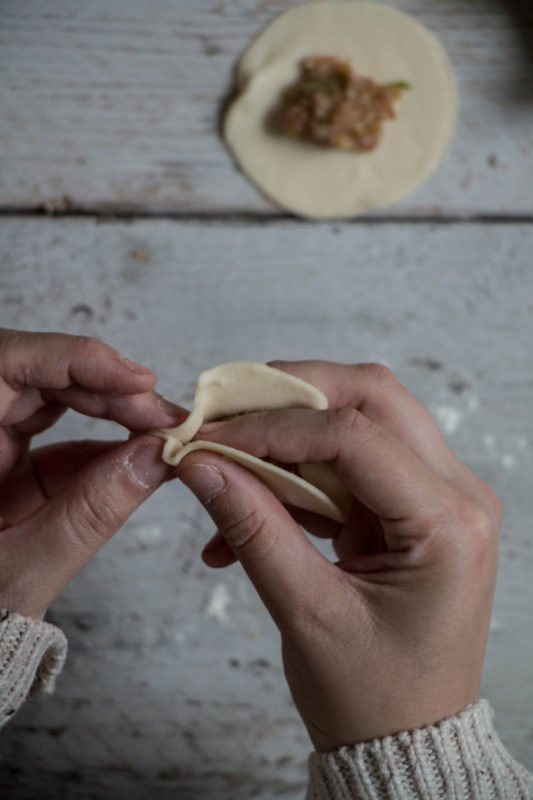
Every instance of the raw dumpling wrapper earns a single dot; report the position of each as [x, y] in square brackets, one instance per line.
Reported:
[244, 386]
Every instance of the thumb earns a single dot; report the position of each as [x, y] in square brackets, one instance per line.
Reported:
[52, 545]
[280, 561]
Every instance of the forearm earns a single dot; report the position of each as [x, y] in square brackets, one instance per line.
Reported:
[461, 757]
[32, 654]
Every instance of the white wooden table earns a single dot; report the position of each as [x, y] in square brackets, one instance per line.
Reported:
[109, 115]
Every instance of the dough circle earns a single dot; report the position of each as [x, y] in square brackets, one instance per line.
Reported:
[379, 42]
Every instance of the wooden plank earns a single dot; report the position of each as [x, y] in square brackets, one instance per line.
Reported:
[116, 106]
[160, 698]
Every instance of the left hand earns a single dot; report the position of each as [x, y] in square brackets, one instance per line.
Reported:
[59, 504]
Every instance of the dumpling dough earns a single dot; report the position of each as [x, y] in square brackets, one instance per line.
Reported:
[244, 386]
[379, 42]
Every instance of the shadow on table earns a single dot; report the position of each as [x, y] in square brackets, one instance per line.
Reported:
[520, 14]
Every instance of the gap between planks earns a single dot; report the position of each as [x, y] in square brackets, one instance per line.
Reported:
[254, 218]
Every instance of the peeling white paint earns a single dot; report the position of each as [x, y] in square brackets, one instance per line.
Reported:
[217, 602]
[243, 589]
[448, 417]
[472, 403]
[183, 635]
[494, 625]
[148, 534]
[508, 461]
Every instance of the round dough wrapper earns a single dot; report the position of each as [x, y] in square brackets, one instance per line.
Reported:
[379, 42]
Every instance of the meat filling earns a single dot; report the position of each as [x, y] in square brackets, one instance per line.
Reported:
[332, 107]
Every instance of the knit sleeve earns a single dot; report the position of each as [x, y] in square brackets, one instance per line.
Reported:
[32, 654]
[460, 758]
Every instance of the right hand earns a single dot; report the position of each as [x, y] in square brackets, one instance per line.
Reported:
[391, 637]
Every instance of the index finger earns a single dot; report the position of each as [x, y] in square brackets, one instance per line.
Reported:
[383, 474]
[59, 360]
[376, 392]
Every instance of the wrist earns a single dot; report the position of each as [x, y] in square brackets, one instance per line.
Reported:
[32, 654]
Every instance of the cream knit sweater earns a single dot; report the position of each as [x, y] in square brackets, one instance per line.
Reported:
[460, 758]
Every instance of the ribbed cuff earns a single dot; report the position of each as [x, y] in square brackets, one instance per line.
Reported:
[32, 654]
[460, 758]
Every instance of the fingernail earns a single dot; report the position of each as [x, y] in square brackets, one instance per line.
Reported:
[134, 366]
[146, 467]
[204, 480]
[175, 412]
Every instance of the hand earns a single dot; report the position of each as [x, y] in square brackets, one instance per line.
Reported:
[59, 504]
[392, 636]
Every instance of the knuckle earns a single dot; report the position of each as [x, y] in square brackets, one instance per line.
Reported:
[245, 531]
[380, 374]
[11, 361]
[474, 517]
[91, 518]
[350, 420]
[459, 532]
[87, 346]
[258, 419]
[495, 506]
[345, 417]
[475, 524]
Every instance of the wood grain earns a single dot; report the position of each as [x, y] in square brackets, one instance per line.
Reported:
[116, 106]
[160, 697]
